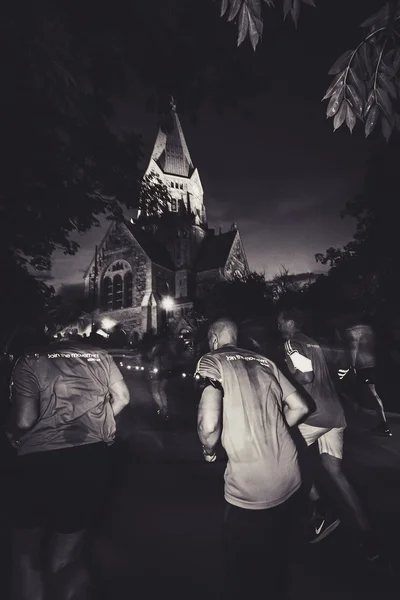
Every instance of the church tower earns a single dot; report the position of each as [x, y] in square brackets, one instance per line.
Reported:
[171, 162]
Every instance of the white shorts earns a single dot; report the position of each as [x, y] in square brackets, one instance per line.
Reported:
[330, 441]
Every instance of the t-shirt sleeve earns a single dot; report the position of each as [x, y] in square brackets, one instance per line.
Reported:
[286, 386]
[115, 373]
[24, 383]
[208, 367]
[296, 357]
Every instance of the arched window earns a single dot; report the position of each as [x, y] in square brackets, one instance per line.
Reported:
[117, 287]
[106, 295]
[117, 292]
[128, 281]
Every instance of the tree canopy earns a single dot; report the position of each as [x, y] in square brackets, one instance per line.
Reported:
[365, 85]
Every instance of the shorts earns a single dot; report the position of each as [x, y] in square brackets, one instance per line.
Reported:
[62, 490]
[330, 440]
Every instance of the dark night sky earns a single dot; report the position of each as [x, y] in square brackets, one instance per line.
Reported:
[273, 164]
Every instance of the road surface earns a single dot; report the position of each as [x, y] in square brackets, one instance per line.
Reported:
[162, 532]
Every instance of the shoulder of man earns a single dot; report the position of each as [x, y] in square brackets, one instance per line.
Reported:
[209, 366]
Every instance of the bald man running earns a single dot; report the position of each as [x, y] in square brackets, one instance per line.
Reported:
[249, 404]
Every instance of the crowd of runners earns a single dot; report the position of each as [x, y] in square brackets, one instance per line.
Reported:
[281, 426]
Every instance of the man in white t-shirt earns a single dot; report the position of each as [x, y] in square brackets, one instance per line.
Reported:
[250, 405]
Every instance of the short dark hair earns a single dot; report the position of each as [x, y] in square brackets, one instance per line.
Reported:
[293, 314]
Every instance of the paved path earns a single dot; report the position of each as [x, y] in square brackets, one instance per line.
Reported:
[162, 534]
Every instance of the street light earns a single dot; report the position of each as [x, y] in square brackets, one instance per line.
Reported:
[168, 303]
[108, 324]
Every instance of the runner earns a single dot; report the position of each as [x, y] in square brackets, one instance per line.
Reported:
[64, 401]
[250, 405]
[360, 339]
[326, 425]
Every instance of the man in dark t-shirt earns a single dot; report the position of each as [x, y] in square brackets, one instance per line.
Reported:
[307, 365]
[64, 400]
[250, 404]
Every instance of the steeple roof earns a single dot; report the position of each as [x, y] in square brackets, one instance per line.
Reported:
[170, 150]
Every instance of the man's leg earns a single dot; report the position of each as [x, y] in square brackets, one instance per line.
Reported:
[333, 466]
[68, 577]
[78, 505]
[27, 576]
[256, 549]
[324, 520]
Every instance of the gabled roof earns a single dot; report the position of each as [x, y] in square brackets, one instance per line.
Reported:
[170, 149]
[156, 252]
[215, 251]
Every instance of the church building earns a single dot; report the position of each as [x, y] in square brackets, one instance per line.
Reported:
[147, 273]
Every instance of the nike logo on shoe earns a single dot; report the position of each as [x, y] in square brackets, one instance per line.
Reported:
[320, 527]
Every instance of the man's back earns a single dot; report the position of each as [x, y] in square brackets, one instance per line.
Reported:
[328, 411]
[262, 471]
[72, 382]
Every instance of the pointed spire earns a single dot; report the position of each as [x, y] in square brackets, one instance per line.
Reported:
[170, 150]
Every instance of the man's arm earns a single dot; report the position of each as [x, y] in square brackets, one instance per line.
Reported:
[295, 409]
[209, 420]
[119, 396]
[302, 369]
[25, 401]
[118, 389]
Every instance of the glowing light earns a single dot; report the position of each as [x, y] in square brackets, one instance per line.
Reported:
[197, 376]
[129, 367]
[142, 368]
[155, 370]
[108, 324]
[121, 364]
[137, 368]
[102, 333]
[168, 303]
[183, 374]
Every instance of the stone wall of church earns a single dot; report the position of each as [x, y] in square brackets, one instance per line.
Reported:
[163, 281]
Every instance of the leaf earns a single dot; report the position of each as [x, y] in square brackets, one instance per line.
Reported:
[379, 17]
[334, 103]
[287, 7]
[341, 62]
[235, 7]
[255, 28]
[365, 56]
[295, 12]
[388, 85]
[387, 128]
[336, 83]
[385, 66]
[243, 25]
[370, 102]
[383, 100]
[358, 84]
[350, 118]
[250, 22]
[224, 7]
[372, 120]
[340, 116]
[354, 100]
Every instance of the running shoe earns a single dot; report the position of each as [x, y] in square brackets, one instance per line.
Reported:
[382, 429]
[321, 526]
[163, 414]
